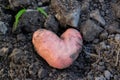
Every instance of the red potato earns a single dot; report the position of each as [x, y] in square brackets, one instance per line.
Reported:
[58, 52]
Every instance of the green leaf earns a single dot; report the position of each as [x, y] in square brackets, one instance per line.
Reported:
[18, 15]
[42, 11]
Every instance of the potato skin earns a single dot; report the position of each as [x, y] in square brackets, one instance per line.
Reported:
[58, 52]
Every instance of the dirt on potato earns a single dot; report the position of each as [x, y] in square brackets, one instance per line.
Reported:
[99, 24]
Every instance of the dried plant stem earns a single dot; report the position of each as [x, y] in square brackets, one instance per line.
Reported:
[117, 58]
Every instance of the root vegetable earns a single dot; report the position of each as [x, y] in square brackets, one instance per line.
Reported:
[58, 52]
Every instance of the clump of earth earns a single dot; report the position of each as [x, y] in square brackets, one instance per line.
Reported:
[97, 20]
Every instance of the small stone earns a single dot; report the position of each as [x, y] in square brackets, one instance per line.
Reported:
[31, 21]
[90, 30]
[3, 28]
[17, 55]
[101, 68]
[111, 36]
[4, 51]
[85, 5]
[95, 14]
[108, 47]
[104, 35]
[113, 28]
[1, 72]
[107, 74]
[103, 45]
[116, 9]
[51, 24]
[67, 11]
[117, 38]
[116, 77]
[40, 3]
[42, 73]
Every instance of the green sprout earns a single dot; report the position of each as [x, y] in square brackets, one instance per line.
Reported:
[18, 15]
[21, 12]
[42, 11]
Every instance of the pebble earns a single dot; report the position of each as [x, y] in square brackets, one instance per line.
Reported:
[117, 38]
[51, 24]
[31, 21]
[100, 68]
[104, 35]
[17, 55]
[116, 77]
[1, 72]
[103, 45]
[107, 74]
[67, 11]
[111, 36]
[42, 73]
[90, 30]
[95, 14]
[85, 5]
[116, 9]
[113, 28]
[4, 51]
[40, 3]
[3, 28]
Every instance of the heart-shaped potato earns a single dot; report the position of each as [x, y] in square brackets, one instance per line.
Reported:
[58, 52]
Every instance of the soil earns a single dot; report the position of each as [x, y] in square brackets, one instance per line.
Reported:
[99, 24]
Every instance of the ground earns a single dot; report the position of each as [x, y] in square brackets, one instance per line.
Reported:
[99, 24]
